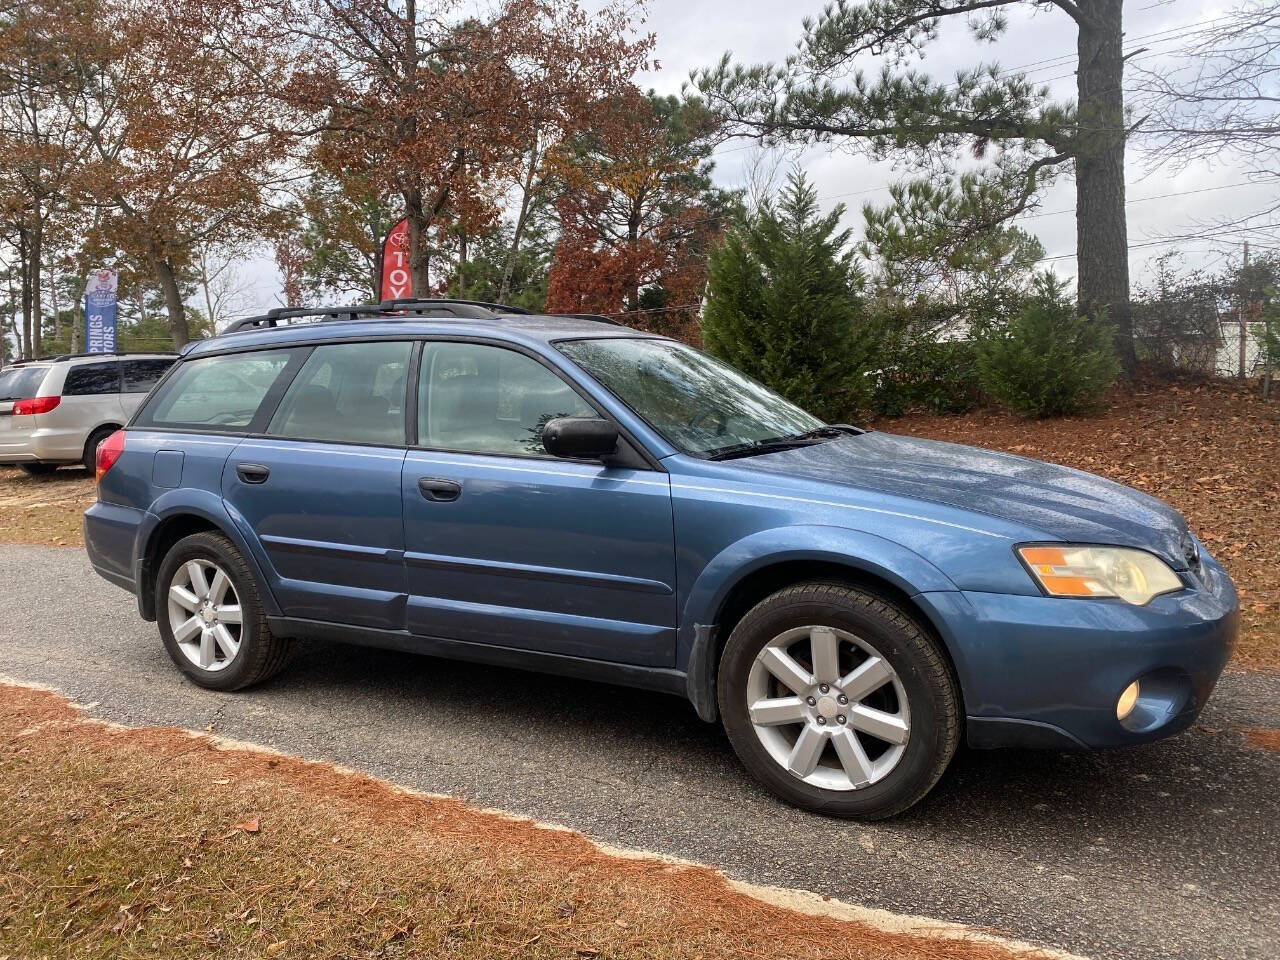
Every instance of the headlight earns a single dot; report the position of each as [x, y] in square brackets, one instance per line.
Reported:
[1134, 576]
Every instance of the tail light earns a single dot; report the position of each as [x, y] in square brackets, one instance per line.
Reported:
[34, 405]
[109, 451]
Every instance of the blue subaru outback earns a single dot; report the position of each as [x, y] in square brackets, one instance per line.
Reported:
[569, 495]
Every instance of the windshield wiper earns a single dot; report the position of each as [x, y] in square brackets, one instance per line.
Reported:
[807, 439]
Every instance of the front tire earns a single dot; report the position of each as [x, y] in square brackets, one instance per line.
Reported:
[211, 618]
[838, 702]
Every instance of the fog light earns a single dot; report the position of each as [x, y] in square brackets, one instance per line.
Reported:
[1128, 700]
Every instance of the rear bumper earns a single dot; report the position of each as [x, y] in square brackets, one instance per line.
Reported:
[110, 535]
[42, 445]
[1047, 672]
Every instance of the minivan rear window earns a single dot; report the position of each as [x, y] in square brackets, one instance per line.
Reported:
[219, 392]
[18, 383]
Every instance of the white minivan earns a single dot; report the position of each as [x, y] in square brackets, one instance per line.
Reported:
[57, 411]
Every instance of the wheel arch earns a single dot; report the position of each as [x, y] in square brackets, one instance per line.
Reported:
[179, 521]
[866, 561]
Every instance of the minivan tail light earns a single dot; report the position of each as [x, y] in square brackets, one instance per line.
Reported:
[33, 405]
[109, 451]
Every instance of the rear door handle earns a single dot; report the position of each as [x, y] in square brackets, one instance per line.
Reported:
[439, 490]
[252, 472]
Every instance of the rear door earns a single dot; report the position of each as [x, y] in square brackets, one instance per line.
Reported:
[321, 486]
[510, 546]
[90, 398]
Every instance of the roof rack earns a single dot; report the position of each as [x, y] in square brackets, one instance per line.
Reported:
[100, 353]
[412, 306]
[462, 309]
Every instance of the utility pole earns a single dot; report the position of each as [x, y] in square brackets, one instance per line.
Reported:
[1244, 338]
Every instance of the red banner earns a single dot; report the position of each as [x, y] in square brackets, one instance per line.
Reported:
[396, 281]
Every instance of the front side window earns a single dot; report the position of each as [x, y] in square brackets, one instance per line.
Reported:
[349, 393]
[89, 379]
[477, 398]
[139, 376]
[697, 403]
[222, 391]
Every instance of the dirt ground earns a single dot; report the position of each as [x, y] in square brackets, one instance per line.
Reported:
[160, 843]
[1213, 451]
[47, 509]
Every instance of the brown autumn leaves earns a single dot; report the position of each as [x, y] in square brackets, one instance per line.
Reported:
[135, 131]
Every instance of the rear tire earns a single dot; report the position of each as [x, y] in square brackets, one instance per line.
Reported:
[838, 702]
[38, 469]
[209, 611]
[90, 456]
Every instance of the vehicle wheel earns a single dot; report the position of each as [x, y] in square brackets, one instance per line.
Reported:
[90, 457]
[838, 702]
[211, 618]
[38, 469]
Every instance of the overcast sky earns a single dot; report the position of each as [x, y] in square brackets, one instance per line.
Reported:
[693, 33]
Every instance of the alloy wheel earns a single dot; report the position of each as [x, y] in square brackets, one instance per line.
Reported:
[204, 614]
[828, 707]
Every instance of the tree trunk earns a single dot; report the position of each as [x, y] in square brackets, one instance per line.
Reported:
[24, 259]
[419, 255]
[462, 263]
[504, 290]
[168, 280]
[37, 293]
[1102, 242]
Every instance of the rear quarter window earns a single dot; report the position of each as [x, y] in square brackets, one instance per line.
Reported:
[219, 392]
[18, 383]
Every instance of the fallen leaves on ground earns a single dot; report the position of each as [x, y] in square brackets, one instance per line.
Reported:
[45, 509]
[1211, 450]
[109, 847]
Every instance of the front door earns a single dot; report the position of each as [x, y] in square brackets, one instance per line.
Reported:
[322, 488]
[508, 545]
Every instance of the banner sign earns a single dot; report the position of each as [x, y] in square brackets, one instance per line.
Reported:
[100, 312]
[396, 282]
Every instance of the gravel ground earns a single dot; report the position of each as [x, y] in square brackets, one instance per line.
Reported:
[1169, 850]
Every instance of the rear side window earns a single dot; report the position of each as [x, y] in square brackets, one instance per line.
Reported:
[347, 392]
[19, 383]
[139, 376]
[88, 379]
[215, 392]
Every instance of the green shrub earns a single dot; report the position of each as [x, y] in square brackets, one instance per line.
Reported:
[783, 305]
[921, 373]
[1048, 361]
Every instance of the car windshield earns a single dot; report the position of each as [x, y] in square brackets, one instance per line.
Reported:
[697, 403]
[19, 383]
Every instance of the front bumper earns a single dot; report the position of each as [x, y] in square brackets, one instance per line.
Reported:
[1047, 672]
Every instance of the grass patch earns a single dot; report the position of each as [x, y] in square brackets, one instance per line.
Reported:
[158, 843]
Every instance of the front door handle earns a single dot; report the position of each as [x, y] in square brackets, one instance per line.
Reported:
[252, 472]
[439, 490]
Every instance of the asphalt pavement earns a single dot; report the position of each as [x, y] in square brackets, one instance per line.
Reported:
[1163, 851]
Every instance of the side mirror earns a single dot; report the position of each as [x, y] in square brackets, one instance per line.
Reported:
[584, 438]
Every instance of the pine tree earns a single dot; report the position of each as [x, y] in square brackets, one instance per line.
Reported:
[783, 303]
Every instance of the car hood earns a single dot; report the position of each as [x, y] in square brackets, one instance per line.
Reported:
[1063, 503]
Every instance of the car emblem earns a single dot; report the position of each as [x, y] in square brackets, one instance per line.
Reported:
[1190, 549]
